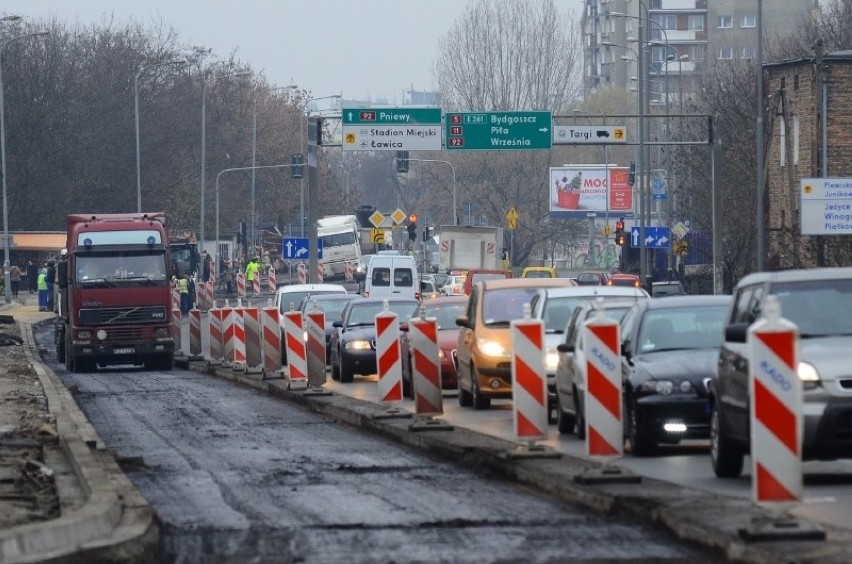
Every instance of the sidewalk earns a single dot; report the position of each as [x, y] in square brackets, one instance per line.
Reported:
[98, 515]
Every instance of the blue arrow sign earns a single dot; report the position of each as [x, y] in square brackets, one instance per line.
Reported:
[298, 248]
[655, 237]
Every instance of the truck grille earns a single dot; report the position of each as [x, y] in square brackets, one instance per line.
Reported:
[123, 315]
[124, 335]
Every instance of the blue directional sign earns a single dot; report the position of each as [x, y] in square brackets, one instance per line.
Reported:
[655, 238]
[298, 248]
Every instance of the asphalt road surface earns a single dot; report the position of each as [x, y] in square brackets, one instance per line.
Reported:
[236, 476]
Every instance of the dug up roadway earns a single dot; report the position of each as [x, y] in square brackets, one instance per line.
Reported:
[115, 523]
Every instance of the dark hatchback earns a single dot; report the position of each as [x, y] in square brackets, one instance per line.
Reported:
[353, 343]
[332, 306]
[669, 353]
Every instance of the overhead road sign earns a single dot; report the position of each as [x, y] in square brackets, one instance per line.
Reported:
[655, 238]
[589, 134]
[391, 129]
[826, 206]
[498, 131]
[298, 248]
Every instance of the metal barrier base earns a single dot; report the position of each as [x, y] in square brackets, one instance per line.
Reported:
[532, 450]
[781, 528]
[429, 424]
[607, 475]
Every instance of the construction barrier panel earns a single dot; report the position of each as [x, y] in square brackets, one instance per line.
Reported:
[320, 272]
[176, 331]
[271, 332]
[315, 329]
[175, 298]
[602, 349]
[241, 285]
[294, 335]
[388, 356]
[217, 350]
[251, 318]
[211, 299]
[255, 285]
[775, 408]
[239, 331]
[227, 332]
[529, 379]
[270, 279]
[425, 366]
[302, 272]
[195, 332]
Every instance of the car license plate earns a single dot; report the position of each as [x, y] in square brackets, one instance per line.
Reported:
[122, 350]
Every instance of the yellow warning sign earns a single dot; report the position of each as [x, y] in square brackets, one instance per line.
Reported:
[350, 138]
[377, 218]
[398, 216]
[377, 236]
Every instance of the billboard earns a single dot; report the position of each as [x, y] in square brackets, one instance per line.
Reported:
[576, 190]
[826, 206]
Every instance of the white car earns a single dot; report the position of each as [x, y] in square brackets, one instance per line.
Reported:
[290, 298]
[454, 286]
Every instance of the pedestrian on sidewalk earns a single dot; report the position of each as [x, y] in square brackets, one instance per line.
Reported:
[15, 278]
[51, 276]
[32, 277]
[42, 290]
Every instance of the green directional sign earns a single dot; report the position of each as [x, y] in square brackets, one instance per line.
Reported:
[496, 131]
[391, 116]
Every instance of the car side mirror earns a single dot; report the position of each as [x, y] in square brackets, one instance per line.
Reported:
[736, 332]
[626, 349]
[337, 323]
[463, 321]
[565, 348]
[403, 326]
[360, 276]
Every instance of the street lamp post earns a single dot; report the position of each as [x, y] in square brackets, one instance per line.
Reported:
[208, 81]
[455, 210]
[7, 279]
[305, 145]
[136, 115]
[252, 229]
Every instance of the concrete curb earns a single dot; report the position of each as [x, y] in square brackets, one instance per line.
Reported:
[114, 523]
[710, 520]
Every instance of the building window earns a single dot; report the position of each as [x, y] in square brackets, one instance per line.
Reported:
[665, 21]
[726, 21]
[795, 140]
[695, 23]
[726, 53]
[748, 53]
[782, 142]
[696, 53]
[748, 21]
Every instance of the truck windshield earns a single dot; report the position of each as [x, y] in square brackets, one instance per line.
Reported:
[94, 268]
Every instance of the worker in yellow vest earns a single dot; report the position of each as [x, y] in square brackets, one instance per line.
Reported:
[252, 271]
[42, 290]
[183, 288]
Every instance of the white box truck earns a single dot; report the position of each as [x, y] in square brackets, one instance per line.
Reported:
[465, 247]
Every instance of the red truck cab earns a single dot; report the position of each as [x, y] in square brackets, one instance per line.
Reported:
[114, 284]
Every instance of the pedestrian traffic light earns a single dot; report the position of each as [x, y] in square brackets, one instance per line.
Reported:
[297, 162]
[401, 161]
[412, 231]
[621, 239]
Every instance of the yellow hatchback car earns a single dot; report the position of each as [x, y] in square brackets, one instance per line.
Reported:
[538, 272]
[484, 354]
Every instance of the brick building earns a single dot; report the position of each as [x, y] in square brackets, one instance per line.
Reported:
[802, 144]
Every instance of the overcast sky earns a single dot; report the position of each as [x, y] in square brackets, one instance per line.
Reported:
[364, 49]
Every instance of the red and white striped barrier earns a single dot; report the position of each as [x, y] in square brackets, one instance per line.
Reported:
[175, 297]
[239, 335]
[211, 298]
[270, 279]
[241, 285]
[217, 351]
[302, 272]
[227, 332]
[602, 347]
[294, 335]
[251, 318]
[195, 332]
[776, 407]
[315, 329]
[176, 331]
[425, 366]
[388, 356]
[529, 380]
[320, 272]
[200, 294]
[271, 332]
[255, 285]
[349, 272]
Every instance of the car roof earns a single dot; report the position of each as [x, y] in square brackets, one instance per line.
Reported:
[329, 296]
[311, 288]
[592, 291]
[622, 276]
[527, 283]
[362, 300]
[797, 275]
[445, 300]
[688, 301]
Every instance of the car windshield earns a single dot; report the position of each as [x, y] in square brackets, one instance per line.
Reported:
[445, 314]
[614, 313]
[503, 305]
[292, 301]
[557, 312]
[365, 314]
[332, 308]
[686, 328]
[819, 307]
[667, 290]
[538, 274]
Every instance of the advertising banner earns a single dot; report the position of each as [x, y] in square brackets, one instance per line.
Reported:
[576, 190]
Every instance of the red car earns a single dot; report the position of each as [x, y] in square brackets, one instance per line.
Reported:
[624, 280]
[445, 310]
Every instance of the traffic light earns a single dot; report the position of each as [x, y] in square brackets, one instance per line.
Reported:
[621, 239]
[412, 231]
[631, 177]
[401, 161]
[619, 226]
[298, 165]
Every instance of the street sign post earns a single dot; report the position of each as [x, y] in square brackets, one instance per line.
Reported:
[298, 248]
[655, 238]
[391, 129]
[589, 134]
[498, 131]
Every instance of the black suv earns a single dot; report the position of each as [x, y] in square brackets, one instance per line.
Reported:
[819, 302]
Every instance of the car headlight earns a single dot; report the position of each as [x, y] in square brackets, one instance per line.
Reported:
[441, 353]
[552, 359]
[491, 348]
[808, 374]
[357, 345]
[662, 387]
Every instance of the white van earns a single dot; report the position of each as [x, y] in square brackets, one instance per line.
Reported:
[390, 276]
